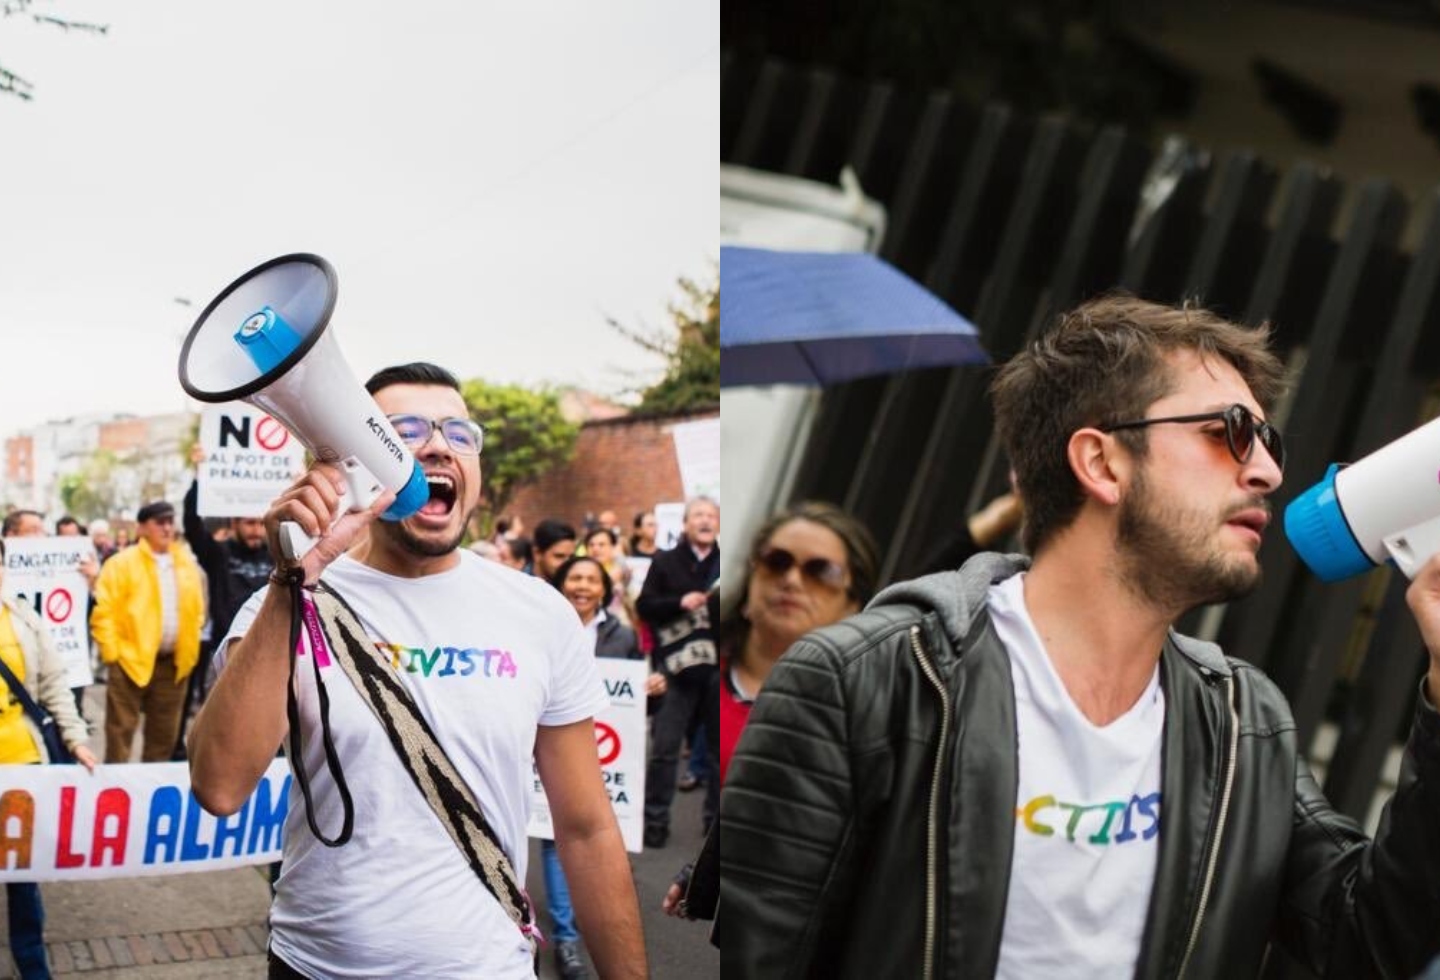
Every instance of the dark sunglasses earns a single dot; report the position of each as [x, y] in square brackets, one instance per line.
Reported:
[821, 571]
[462, 435]
[1241, 428]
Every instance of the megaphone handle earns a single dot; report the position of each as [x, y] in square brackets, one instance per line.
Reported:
[359, 492]
[1413, 546]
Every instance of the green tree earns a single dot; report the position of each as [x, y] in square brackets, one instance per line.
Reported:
[691, 348]
[93, 491]
[526, 434]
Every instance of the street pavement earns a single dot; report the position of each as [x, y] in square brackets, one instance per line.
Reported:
[213, 924]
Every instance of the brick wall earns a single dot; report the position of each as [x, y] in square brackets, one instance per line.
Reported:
[625, 465]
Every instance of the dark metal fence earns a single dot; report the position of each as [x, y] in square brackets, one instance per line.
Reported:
[1012, 220]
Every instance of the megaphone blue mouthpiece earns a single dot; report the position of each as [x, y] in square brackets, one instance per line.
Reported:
[411, 498]
[1316, 526]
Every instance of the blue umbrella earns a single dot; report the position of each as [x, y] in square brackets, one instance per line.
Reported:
[819, 318]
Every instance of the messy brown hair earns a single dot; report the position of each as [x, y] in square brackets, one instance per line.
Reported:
[1105, 362]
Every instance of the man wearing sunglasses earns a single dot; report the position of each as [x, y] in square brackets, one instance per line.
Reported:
[500, 671]
[1020, 769]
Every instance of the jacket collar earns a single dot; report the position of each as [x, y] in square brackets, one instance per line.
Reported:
[955, 597]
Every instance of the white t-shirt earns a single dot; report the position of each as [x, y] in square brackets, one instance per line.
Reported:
[488, 654]
[169, 601]
[1087, 817]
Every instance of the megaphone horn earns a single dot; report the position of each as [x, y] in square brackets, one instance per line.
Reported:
[265, 340]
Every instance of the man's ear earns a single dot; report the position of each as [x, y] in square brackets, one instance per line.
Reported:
[1100, 464]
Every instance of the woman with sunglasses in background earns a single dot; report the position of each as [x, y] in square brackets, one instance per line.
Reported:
[810, 565]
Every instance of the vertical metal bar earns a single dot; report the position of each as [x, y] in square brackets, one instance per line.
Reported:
[940, 136]
[750, 141]
[1234, 237]
[907, 405]
[805, 149]
[1156, 260]
[975, 223]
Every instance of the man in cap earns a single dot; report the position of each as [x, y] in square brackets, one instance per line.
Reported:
[149, 607]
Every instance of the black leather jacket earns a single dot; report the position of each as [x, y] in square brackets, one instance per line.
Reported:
[869, 813]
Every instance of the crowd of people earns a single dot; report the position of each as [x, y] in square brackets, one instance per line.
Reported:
[1012, 765]
[182, 615]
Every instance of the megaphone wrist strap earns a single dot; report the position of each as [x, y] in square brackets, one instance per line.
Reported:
[298, 601]
[286, 577]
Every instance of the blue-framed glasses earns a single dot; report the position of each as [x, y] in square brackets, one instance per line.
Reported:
[461, 435]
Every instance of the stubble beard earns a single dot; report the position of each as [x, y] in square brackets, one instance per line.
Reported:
[423, 547]
[1170, 556]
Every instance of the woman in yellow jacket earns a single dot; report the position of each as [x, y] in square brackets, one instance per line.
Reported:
[26, 648]
[150, 654]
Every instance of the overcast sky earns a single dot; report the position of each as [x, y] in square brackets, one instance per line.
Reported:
[488, 180]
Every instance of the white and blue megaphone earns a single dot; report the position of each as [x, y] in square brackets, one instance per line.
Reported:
[264, 341]
[1386, 506]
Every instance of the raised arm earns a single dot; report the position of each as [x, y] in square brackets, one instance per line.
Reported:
[207, 552]
[243, 721]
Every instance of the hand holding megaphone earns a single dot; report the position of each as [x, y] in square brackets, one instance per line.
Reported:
[317, 519]
[264, 340]
[1384, 507]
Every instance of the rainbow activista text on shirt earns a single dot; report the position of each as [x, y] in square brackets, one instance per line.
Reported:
[1095, 822]
[450, 661]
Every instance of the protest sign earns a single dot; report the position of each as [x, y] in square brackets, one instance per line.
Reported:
[44, 574]
[249, 459]
[61, 823]
[620, 744]
[669, 525]
[697, 450]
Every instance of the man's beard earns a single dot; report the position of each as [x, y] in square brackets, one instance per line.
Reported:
[1171, 556]
[410, 542]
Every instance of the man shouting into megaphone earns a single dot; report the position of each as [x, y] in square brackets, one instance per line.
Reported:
[425, 680]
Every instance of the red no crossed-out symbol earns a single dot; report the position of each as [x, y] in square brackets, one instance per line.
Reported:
[607, 743]
[58, 605]
[270, 434]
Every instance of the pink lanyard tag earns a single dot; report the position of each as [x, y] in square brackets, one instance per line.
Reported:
[312, 626]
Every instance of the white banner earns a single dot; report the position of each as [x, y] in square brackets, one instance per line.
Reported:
[620, 742]
[61, 823]
[249, 459]
[43, 573]
[697, 449]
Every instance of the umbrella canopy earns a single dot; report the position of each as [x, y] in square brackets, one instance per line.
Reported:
[819, 318]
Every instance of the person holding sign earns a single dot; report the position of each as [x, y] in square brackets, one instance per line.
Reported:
[30, 658]
[235, 569]
[493, 663]
[29, 524]
[584, 581]
[680, 602]
[149, 607]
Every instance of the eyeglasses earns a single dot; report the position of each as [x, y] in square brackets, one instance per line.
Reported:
[462, 435]
[821, 571]
[1241, 428]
